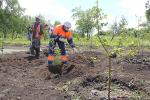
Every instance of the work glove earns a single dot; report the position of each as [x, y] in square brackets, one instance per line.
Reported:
[62, 39]
[75, 50]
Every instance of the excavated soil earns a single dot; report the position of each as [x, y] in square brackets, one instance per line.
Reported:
[25, 78]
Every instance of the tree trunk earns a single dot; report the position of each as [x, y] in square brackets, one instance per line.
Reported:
[88, 35]
[16, 36]
[82, 35]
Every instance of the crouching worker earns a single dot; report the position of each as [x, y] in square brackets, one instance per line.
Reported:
[60, 34]
[37, 32]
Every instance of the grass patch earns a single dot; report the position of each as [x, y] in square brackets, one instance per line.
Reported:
[117, 41]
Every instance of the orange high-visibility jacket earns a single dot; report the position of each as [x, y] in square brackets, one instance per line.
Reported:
[58, 30]
[37, 31]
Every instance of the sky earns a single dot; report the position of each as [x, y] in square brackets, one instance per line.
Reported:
[61, 10]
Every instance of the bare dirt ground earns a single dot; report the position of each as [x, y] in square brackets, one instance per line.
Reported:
[22, 78]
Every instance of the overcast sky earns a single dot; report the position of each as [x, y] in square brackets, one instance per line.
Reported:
[61, 9]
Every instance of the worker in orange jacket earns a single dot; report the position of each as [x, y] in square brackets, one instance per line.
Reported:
[58, 36]
[37, 32]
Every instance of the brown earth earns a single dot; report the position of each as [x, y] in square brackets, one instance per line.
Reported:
[25, 78]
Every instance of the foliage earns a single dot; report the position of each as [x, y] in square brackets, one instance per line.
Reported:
[86, 20]
[57, 57]
[12, 21]
[147, 6]
[119, 27]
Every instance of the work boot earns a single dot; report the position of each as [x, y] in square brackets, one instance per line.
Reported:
[32, 52]
[37, 53]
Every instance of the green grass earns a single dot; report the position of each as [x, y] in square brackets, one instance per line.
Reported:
[117, 41]
[18, 41]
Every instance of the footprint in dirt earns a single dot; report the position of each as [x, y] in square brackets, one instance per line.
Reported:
[30, 58]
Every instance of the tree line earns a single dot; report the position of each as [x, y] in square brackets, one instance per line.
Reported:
[13, 22]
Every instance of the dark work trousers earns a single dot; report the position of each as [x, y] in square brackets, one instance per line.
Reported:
[35, 48]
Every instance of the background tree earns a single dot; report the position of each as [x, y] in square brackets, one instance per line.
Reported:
[147, 6]
[10, 16]
[119, 27]
[13, 23]
[86, 20]
[1, 3]
[122, 25]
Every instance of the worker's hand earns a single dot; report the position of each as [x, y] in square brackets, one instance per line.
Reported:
[75, 50]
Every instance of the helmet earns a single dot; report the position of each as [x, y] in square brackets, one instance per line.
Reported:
[67, 24]
[37, 18]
